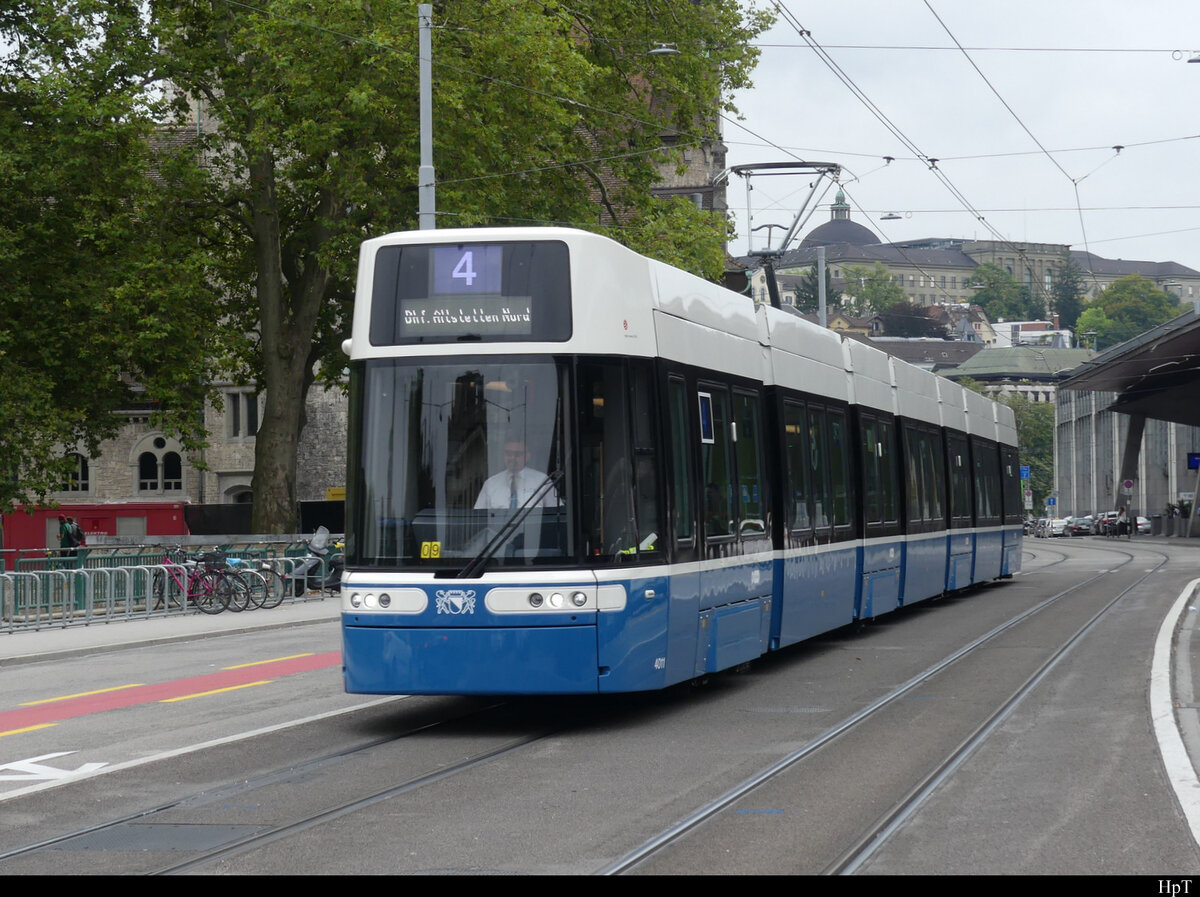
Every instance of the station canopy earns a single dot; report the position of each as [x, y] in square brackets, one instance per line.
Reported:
[1156, 374]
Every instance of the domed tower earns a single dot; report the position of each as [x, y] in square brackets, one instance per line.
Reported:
[839, 228]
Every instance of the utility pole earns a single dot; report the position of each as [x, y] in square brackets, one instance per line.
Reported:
[426, 200]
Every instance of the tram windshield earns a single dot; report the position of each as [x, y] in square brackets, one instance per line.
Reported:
[460, 459]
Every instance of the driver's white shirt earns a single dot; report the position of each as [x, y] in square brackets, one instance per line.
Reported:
[497, 491]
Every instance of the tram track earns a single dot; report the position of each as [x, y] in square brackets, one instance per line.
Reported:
[240, 788]
[449, 753]
[869, 840]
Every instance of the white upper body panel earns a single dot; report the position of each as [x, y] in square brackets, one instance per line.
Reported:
[625, 304]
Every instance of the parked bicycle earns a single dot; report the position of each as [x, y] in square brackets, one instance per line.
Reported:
[199, 584]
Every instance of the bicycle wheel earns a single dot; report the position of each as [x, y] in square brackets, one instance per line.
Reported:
[165, 591]
[206, 593]
[276, 587]
[233, 584]
[256, 587]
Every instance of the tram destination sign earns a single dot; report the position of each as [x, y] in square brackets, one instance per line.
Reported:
[467, 316]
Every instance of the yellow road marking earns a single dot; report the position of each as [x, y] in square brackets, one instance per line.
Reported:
[28, 729]
[257, 663]
[215, 691]
[82, 694]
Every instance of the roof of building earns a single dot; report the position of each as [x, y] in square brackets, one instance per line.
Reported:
[935, 354]
[840, 230]
[867, 255]
[1120, 267]
[1156, 374]
[1021, 363]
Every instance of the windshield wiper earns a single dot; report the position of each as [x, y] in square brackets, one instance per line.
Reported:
[506, 532]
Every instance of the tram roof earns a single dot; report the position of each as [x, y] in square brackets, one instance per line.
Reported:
[1156, 374]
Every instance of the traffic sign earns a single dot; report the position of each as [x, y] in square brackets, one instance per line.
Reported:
[1024, 471]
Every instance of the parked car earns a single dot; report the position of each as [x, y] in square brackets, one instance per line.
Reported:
[1143, 526]
[1104, 521]
[1057, 526]
[1080, 526]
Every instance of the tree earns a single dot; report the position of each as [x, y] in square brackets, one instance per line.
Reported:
[1002, 298]
[873, 290]
[1035, 442]
[101, 293]
[1066, 292]
[1128, 307]
[312, 145]
[808, 291]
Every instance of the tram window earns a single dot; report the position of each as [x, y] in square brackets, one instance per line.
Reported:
[839, 450]
[443, 451]
[641, 402]
[749, 467]
[890, 503]
[879, 481]
[818, 459]
[987, 482]
[796, 437]
[610, 526]
[681, 463]
[1011, 476]
[870, 466]
[715, 471]
[932, 474]
[960, 480]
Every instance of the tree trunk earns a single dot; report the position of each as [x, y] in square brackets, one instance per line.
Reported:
[288, 310]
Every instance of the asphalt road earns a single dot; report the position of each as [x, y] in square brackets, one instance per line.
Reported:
[237, 752]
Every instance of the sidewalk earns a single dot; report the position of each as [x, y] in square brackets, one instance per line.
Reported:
[31, 646]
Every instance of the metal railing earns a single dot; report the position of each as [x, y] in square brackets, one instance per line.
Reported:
[47, 589]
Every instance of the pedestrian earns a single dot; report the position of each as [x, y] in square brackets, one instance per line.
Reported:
[77, 535]
[66, 540]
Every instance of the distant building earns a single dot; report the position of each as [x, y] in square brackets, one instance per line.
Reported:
[941, 270]
[1028, 371]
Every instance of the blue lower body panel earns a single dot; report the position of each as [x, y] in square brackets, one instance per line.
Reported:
[533, 660]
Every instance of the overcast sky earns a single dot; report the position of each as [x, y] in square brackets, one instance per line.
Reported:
[1081, 75]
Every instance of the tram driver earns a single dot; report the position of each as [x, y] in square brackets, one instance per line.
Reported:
[513, 486]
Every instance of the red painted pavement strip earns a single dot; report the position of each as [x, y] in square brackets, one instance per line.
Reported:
[145, 694]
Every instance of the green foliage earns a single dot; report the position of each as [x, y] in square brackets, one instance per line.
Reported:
[1127, 308]
[297, 135]
[1002, 298]
[871, 290]
[676, 232]
[100, 286]
[808, 291]
[312, 144]
[1067, 292]
[1035, 443]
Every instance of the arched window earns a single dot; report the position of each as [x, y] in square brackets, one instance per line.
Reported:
[172, 470]
[147, 472]
[78, 479]
[158, 463]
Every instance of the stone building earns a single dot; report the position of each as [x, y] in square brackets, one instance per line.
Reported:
[144, 464]
[941, 270]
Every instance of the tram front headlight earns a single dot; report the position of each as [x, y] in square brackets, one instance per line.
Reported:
[557, 599]
[385, 600]
[355, 599]
[579, 599]
[369, 600]
[535, 599]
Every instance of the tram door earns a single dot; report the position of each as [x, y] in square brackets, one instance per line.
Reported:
[622, 520]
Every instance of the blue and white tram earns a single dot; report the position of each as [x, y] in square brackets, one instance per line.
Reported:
[574, 469]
